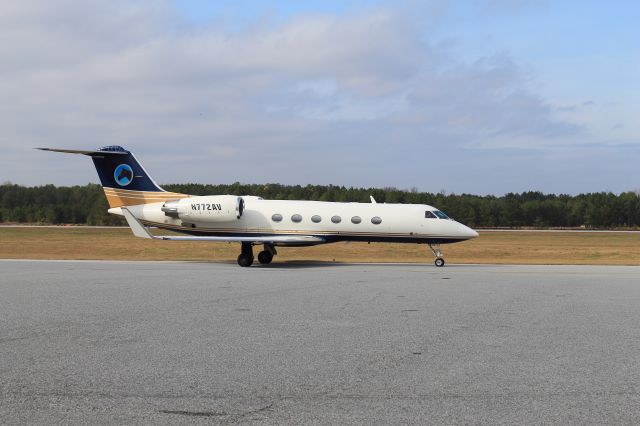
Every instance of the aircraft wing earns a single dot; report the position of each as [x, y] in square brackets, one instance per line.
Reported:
[281, 239]
[139, 230]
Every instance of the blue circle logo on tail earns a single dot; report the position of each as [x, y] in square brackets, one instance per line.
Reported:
[123, 174]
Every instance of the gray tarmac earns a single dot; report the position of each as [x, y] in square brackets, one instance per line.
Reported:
[84, 342]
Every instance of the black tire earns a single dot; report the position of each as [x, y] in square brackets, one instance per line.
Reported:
[264, 257]
[245, 260]
[439, 262]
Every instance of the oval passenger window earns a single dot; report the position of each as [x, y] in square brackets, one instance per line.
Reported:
[376, 220]
[296, 218]
[316, 219]
[356, 219]
[336, 219]
[276, 217]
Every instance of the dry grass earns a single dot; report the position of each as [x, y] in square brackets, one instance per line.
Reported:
[492, 247]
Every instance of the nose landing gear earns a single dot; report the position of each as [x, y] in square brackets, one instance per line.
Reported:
[435, 249]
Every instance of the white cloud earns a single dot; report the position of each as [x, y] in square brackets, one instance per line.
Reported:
[276, 102]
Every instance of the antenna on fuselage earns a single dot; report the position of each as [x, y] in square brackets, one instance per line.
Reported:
[373, 200]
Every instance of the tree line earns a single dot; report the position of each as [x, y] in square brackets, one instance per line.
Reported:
[86, 204]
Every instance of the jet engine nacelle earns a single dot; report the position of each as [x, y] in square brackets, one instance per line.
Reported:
[211, 208]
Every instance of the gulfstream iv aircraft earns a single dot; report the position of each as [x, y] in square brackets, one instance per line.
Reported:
[251, 220]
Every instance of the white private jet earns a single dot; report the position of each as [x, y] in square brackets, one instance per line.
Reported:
[251, 220]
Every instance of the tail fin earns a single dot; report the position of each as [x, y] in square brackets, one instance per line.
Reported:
[124, 180]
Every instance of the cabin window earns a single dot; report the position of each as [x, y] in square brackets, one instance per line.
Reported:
[296, 218]
[429, 215]
[376, 220]
[336, 219]
[356, 219]
[440, 215]
[276, 217]
[316, 219]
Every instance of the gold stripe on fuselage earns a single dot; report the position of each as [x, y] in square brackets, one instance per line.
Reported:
[125, 197]
[131, 191]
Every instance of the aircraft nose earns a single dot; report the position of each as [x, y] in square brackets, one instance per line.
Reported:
[467, 232]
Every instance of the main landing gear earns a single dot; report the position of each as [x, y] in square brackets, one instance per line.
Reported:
[435, 249]
[264, 257]
[246, 255]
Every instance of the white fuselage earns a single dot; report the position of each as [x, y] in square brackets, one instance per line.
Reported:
[378, 222]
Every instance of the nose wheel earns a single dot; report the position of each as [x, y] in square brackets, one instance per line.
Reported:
[435, 249]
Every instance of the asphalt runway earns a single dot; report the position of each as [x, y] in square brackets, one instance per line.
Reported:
[85, 342]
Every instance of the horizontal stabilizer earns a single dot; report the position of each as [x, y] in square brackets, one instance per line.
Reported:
[83, 152]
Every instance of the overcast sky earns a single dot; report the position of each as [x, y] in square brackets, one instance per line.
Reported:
[481, 97]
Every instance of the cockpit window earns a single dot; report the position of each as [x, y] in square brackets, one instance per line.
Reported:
[440, 214]
[436, 214]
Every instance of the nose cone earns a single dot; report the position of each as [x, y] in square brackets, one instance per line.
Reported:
[466, 232]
